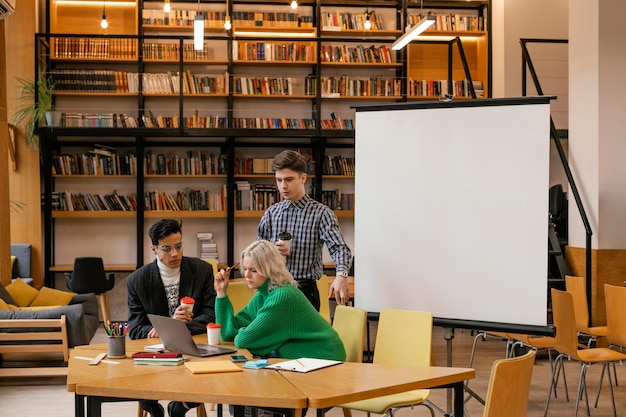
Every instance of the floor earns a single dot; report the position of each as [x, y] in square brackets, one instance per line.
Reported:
[53, 400]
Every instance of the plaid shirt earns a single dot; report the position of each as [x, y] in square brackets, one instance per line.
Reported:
[311, 224]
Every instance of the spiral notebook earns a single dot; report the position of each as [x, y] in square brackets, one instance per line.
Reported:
[303, 364]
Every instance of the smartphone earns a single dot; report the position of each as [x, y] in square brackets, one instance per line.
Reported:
[238, 358]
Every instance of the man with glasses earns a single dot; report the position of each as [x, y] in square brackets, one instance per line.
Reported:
[157, 288]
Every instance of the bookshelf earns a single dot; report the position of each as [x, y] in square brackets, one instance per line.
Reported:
[279, 79]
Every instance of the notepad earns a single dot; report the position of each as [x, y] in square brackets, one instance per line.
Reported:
[207, 367]
[303, 364]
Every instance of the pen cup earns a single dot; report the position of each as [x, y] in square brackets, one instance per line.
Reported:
[213, 333]
[117, 347]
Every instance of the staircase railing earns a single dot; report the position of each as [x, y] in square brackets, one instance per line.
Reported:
[554, 134]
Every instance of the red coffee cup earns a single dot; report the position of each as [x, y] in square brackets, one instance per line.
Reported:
[188, 303]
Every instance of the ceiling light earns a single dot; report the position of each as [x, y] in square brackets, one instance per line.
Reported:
[367, 24]
[166, 7]
[413, 32]
[227, 23]
[198, 32]
[294, 4]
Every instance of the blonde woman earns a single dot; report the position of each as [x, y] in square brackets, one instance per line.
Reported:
[278, 320]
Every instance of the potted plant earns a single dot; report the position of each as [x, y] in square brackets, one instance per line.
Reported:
[34, 109]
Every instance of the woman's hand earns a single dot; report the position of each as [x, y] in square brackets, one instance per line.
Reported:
[220, 283]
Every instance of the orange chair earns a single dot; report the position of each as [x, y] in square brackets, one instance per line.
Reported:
[576, 286]
[566, 343]
[509, 386]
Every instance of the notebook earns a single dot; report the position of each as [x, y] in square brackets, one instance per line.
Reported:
[303, 364]
[175, 335]
[212, 366]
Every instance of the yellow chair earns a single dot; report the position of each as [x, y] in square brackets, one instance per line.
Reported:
[239, 294]
[576, 286]
[509, 386]
[566, 343]
[322, 287]
[213, 263]
[403, 338]
[349, 323]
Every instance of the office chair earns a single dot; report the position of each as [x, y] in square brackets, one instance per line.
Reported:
[89, 277]
[322, 287]
[239, 294]
[509, 386]
[349, 323]
[397, 346]
[566, 343]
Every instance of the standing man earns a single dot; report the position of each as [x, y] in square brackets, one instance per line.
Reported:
[157, 288]
[311, 225]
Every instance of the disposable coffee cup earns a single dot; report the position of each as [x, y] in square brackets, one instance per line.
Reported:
[285, 237]
[117, 347]
[213, 333]
[188, 303]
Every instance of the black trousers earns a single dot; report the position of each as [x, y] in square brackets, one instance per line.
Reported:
[309, 289]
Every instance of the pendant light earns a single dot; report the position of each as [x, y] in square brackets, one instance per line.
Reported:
[104, 23]
[294, 4]
[368, 23]
[198, 30]
[227, 24]
[167, 7]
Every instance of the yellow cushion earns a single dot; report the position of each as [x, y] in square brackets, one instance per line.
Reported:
[5, 306]
[22, 293]
[51, 297]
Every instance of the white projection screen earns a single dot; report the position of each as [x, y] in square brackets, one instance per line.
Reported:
[452, 211]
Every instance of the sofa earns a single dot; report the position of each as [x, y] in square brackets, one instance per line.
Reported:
[39, 330]
[20, 257]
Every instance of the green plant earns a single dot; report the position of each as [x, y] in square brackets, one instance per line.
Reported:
[33, 108]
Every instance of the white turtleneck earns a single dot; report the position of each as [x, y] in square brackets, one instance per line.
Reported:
[171, 282]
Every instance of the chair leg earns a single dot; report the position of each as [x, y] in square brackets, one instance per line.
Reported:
[141, 412]
[558, 364]
[347, 412]
[201, 411]
[104, 307]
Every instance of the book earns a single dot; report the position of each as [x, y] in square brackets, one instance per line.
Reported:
[158, 355]
[211, 366]
[160, 362]
[303, 364]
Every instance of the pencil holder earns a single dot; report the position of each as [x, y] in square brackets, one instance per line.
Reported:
[117, 347]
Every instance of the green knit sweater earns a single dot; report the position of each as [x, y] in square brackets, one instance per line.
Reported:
[281, 321]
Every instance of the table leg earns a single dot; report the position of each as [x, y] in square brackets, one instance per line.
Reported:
[94, 407]
[238, 411]
[458, 399]
[79, 405]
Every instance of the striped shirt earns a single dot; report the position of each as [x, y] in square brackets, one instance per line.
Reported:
[311, 225]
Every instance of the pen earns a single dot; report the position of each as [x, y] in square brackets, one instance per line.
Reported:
[300, 363]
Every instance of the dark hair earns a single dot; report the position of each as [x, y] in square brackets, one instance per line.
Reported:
[164, 228]
[289, 160]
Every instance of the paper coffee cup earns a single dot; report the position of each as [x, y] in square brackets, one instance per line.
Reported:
[285, 237]
[188, 303]
[213, 333]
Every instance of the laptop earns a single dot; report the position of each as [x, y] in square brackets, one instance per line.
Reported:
[175, 335]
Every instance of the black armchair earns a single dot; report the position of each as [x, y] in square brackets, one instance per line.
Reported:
[89, 277]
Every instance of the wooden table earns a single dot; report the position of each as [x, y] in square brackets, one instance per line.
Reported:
[258, 388]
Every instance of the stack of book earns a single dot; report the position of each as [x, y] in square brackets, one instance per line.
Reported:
[159, 358]
[207, 246]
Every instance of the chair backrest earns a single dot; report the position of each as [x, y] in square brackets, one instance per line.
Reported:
[349, 323]
[213, 263]
[576, 286]
[566, 337]
[509, 386]
[89, 276]
[22, 253]
[239, 294]
[322, 287]
[615, 299]
[404, 338]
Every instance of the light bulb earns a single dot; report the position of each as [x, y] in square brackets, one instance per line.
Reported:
[367, 24]
[104, 24]
[294, 4]
[166, 7]
[198, 32]
[227, 24]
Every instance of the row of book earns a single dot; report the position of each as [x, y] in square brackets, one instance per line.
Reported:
[356, 54]
[351, 21]
[66, 201]
[338, 165]
[453, 22]
[274, 51]
[271, 123]
[268, 19]
[200, 163]
[376, 86]
[186, 200]
[114, 48]
[97, 120]
[207, 247]
[170, 83]
[255, 197]
[183, 18]
[94, 164]
[253, 166]
[436, 88]
[274, 86]
[172, 52]
[337, 200]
